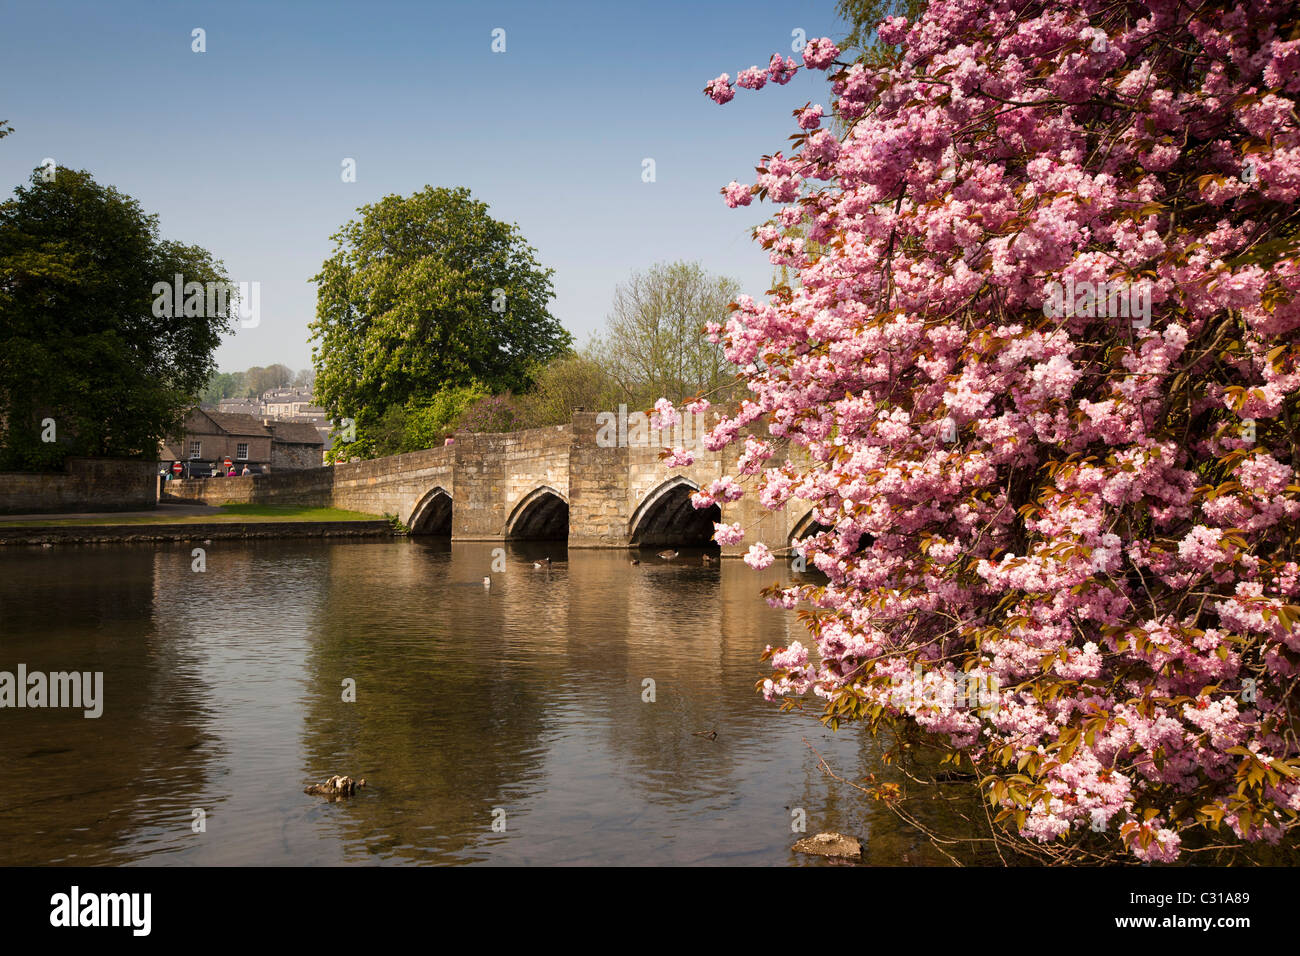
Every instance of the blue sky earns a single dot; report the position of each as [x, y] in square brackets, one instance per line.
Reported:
[239, 149]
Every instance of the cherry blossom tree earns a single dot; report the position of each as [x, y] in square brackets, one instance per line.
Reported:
[1040, 367]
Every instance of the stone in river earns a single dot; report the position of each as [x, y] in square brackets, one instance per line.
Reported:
[830, 844]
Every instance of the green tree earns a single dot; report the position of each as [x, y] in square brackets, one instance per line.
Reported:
[429, 423]
[80, 343]
[863, 16]
[416, 425]
[575, 380]
[259, 379]
[424, 293]
[223, 385]
[654, 342]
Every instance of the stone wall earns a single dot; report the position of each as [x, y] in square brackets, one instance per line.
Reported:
[496, 472]
[295, 457]
[379, 486]
[86, 484]
[598, 478]
[313, 487]
[391, 486]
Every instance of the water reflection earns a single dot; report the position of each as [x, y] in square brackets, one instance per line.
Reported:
[225, 693]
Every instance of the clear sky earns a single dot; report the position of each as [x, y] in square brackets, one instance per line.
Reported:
[240, 149]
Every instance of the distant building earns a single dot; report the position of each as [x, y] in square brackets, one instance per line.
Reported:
[285, 404]
[279, 404]
[240, 406]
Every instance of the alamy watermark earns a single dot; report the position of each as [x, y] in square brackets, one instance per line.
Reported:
[970, 690]
[622, 429]
[77, 909]
[55, 689]
[208, 300]
[1089, 300]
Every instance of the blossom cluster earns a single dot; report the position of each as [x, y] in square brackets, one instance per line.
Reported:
[1098, 513]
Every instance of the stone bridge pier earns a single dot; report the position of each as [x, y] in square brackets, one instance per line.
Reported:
[588, 483]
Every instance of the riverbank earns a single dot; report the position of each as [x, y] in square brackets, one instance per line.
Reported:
[189, 522]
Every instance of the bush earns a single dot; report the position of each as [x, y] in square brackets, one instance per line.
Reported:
[493, 413]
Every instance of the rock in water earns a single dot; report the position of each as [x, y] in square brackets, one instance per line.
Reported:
[830, 844]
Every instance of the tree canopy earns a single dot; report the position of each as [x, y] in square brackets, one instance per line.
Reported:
[424, 293]
[653, 343]
[1041, 360]
[80, 346]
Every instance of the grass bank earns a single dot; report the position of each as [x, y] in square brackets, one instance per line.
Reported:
[225, 514]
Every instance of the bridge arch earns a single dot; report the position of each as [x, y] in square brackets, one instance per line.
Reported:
[807, 526]
[541, 515]
[432, 514]
[666, 516]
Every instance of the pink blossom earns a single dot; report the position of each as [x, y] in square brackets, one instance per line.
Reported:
[736, 195]
[781, 72]
[1092, 504]
[725, 489]
[679, 458]
[727, 533]
[753, 78]
[892, 29]
[697, 407]
[720, 89]
[820, 53]
[701, 500]
[810, 118]
[664, 415]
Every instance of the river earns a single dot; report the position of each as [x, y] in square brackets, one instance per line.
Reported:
[501, 725]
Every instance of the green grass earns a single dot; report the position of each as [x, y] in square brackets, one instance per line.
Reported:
[295, 513]
[227, 514]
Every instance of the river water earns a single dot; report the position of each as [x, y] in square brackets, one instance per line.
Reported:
[506, 725]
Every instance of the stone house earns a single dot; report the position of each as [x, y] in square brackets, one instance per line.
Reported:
[209, 437]
[295, 445]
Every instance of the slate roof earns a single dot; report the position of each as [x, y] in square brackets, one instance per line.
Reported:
[234, 423]
[295, 433]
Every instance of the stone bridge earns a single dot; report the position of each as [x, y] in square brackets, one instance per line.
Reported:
[576, 483]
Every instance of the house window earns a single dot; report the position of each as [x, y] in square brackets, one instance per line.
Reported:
[241, 451]
[196, 449]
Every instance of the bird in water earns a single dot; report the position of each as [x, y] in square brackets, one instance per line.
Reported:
[708, 559]
[635, 562]
[487, 582]
[668, 555]
[336, 786]
[544, 563]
